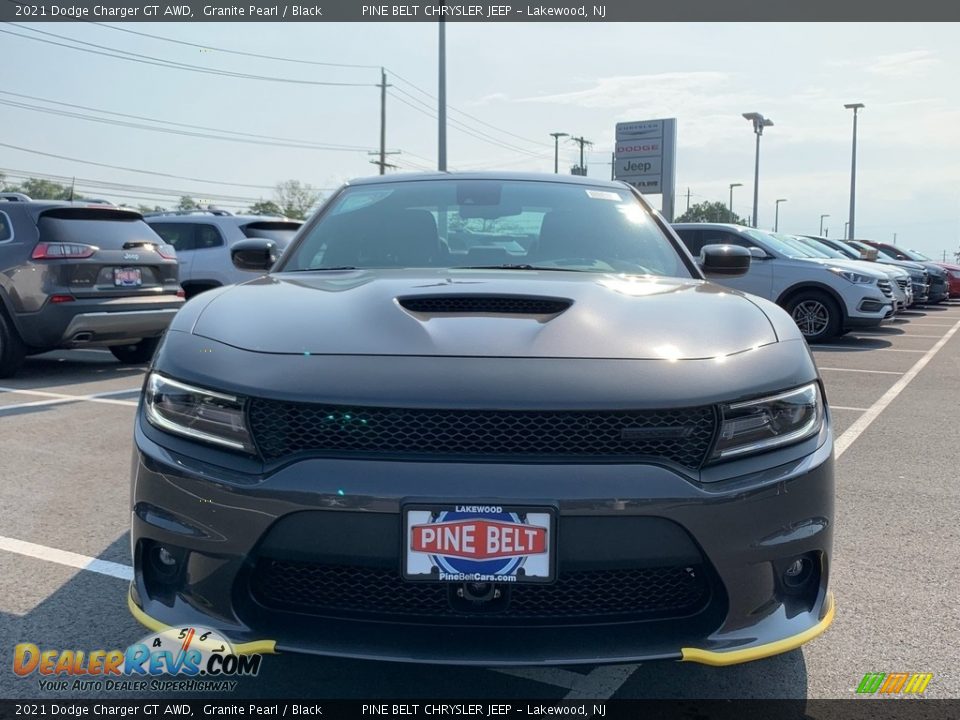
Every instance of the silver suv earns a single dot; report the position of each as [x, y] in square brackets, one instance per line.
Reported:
[203, 239]
[826, 299]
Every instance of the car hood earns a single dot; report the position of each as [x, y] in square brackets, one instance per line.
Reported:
[361, 313]
[861, 266]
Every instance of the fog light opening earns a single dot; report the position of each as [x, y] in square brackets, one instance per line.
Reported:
[797, 573]
[165, 562]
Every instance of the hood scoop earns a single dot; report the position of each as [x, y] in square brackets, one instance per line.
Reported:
[484, 304]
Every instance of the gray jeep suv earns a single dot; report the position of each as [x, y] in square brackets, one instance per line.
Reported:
[73, 275]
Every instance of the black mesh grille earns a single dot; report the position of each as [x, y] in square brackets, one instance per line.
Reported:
[682, 436]
[485, 304]
[597, 595]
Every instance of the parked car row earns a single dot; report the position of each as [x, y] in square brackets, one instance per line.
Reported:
[829, 287]
[88, 273]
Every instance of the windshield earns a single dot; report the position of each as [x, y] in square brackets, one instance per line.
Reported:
[819, 247]
[779, 243]
[914, 255]
[804, 250]
[487, 223]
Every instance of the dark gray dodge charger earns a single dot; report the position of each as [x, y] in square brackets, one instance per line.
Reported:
[490, 420]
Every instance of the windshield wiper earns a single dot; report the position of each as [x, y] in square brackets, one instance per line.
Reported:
[516, 266]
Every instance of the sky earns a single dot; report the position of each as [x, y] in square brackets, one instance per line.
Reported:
[508, 86]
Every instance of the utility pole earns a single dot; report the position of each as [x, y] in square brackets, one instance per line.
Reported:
[894, 238]
[382, 162]
[442, 101]
[556, 149]
[853, 170]
[613, 166]
[582, 142]
[759, 123]
[383, 121]
[688, 199]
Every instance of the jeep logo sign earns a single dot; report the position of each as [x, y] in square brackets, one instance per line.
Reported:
[645, 157]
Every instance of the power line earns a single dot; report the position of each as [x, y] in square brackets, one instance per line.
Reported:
[466, 114]
[301, 61]
[293, 142]
[234, 52]
[172, 131]
[160, 62]
[111, 186]
[479, 135]
[134, 170]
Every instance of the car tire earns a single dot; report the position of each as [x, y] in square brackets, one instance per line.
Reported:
[816, 314]
[137, 353]
[12, 349]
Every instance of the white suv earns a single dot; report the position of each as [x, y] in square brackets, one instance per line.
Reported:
[203, 239]
[824, 299]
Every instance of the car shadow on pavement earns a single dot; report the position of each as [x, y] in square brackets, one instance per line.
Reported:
[856, 344]
[88, 611]
[60, 368]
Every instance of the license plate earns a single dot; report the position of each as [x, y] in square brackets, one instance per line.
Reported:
[478, 543]
[127, 277]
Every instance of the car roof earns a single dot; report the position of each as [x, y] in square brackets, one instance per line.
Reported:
[724, 226]
[202, 217]
[517, 176]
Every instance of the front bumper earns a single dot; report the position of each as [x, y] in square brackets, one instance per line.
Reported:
[222, 523]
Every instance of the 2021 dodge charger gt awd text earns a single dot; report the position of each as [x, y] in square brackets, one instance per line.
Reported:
[490, 420]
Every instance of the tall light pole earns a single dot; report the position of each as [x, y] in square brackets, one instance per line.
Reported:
[845, 226]
[853, 171]
[442, 101]
[776, 216]
[821, 223]
[732, 186]
[759, 123]
[556, 150]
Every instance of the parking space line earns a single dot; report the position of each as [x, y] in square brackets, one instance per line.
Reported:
[858, 370]
[65, 557]
[865, 420]
[852, 409]
[599, 684]
[104, 397]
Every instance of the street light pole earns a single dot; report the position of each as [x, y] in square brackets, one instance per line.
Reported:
[776, 216]
[853, 170]
[732, 186]
[759, 123]
[556, 149]
[442, 101]
[821, 223]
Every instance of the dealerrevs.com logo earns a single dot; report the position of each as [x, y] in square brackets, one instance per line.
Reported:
[199, 659]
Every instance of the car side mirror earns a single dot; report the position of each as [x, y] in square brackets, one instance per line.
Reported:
[257, 254]
[725, 260]
[759, 253]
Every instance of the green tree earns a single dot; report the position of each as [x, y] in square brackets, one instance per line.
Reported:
[265, 207]
[295, 198]
[188, 203]
[44, 190]
[716, 212]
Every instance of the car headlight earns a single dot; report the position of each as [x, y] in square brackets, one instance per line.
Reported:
[197, 413]
[770, 422]
[854, 277]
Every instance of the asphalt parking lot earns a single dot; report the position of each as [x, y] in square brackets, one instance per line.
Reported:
[65, 448]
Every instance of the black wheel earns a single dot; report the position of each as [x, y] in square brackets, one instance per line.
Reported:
[135, 354]
[816, 314]
[12, 349]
